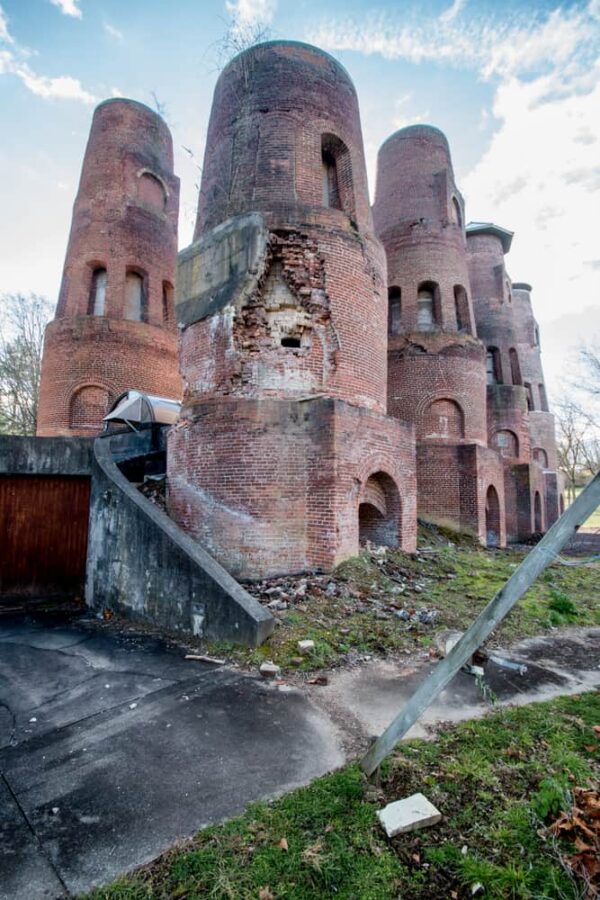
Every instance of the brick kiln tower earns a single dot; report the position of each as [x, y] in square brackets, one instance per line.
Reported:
[516, 397]
[284, 456]
[114, 327]
[436, 364]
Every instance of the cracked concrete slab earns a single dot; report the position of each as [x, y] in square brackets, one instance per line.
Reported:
[375, 693]
[108, 777]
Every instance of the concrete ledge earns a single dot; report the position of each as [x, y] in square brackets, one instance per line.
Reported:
[21, 455]
[141, 564]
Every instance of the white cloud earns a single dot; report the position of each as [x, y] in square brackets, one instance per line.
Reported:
[68, 7]
[252, 12]
[62, 87]
[113, 32]
[453, 11]
[494, 47]
[5, 36]
[540, 173]
[12, 62]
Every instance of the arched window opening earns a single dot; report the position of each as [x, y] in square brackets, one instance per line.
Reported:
[492, 517]
[530, 404]
[87, 408]
[331, 189]
[337, 183]
[461, 305]
[97, 303]
[167, 303]
[543, 398]
[538, 526]
[151, 191]
[506, 443]
[428, 305]
[135, 297]
[536, 336]
[515, 368]
[379, 512]
[540, 456]
[508, 291]
[561, 504]
[455, 213]
[493, 366]
[394, 310]
[443, 419]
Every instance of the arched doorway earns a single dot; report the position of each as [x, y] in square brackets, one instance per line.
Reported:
[379, 512]
[537, 513]
[492, 517]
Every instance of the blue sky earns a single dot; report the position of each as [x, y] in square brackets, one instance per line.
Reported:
[514, 85]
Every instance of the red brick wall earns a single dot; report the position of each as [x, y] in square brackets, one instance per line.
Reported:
[453, 483]
[111, 355]
[424, 369]
[419, 217]
[272, 105]
[124, 219]
[275, 108]
[272, 486]
[336, 279]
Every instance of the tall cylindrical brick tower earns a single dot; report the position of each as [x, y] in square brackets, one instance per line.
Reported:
[541, 420]
[436, 364]
[508, 421]
[283, 309]
[501, 318]
[115, 327]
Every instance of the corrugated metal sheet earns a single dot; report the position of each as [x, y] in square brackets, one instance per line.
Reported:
[43, 534]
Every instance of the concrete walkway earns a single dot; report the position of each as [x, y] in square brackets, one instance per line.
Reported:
[113, 746]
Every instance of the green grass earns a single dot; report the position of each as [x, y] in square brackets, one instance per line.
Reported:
[498, 781]
[455, 580]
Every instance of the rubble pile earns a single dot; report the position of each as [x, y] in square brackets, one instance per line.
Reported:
[392, 594]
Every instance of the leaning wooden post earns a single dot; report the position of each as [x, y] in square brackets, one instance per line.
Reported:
[520, 581]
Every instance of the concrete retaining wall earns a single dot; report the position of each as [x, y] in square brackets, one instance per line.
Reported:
[142, 565]
[21, 455]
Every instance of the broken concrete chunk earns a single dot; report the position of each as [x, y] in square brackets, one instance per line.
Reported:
[306, 647]
[269, 670]
[446, 641]
[408, 815]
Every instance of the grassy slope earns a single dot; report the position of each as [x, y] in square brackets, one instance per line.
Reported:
[497, 781]
[455, 580]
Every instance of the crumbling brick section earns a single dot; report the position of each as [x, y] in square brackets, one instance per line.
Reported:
[284, 356]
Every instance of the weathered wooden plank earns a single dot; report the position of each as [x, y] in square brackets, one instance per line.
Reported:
[43, 534]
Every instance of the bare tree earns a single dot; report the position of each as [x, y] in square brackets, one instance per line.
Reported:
[239, 36]
[589, 358]
[23, 318]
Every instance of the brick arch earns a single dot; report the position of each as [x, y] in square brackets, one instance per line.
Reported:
[506, 442]
[145, 178]
[426, 398]
[538, 515]
[380, 511]
[442, 418]
[493, 529]
[88, 404]
[338, 176]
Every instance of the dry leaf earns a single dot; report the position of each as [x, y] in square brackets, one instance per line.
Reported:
[265, 893]
[283, 844]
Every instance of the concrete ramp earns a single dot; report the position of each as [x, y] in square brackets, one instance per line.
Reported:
[141, 564]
